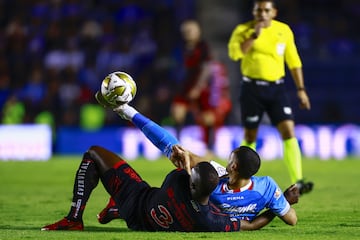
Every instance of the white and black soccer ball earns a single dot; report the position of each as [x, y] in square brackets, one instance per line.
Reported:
[118, 88]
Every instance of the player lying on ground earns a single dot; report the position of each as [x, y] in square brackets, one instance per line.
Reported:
[180, 204]
[239, 194]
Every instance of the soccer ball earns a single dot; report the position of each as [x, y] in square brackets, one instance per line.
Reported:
[118, 88]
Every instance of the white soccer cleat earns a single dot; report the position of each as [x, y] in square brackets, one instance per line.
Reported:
[125, 111]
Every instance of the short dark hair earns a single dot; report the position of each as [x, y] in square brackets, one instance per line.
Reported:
[248, 161]
[208, 178]
[273, 2]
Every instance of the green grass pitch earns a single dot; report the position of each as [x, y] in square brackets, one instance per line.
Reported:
[33, 194]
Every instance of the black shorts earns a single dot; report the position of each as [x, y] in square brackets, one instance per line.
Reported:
[257, 97]
[127, 189]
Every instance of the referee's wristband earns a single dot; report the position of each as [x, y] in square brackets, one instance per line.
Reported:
[301, 89]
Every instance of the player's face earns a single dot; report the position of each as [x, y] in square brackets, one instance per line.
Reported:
[264, 12]
[190, 31]
[194, 183]
[231, 163]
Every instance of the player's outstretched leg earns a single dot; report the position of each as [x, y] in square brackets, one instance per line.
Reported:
[86, 179]
[159, 136]
[96, 161]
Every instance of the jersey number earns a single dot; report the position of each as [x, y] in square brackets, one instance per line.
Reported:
[164, 218]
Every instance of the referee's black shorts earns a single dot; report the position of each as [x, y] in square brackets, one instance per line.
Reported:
[260, 96]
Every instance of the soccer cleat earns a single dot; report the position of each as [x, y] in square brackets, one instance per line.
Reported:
[64, 224]
[123, 111]
[102, 101]
[304, 187]
[109, 213]
[119, 109]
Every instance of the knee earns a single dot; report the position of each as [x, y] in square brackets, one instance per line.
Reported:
[287, 133]
[93, 148]
[96, 153]
[286, 129]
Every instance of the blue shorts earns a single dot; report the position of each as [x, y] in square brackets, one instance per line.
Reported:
[258, 97]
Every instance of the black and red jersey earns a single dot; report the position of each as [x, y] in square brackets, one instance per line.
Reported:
[194, 60]
[168, 208]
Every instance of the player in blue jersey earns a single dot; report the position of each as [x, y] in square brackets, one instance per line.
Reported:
[243, 195]
[239, 193]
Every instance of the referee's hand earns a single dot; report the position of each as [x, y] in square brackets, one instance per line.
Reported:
[304, 100]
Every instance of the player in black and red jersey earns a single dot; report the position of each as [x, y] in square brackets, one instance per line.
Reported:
[180, 204]
[204, 92]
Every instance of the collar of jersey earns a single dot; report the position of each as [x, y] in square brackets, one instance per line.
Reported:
[225, 188]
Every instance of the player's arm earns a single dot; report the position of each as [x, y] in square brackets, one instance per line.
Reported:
[178, 158]
[292, 196]
[290, 217]
[158, 135]
[260, 221]
[266, 217]
[202, 81]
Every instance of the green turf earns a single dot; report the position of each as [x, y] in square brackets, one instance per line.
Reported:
[33, 194]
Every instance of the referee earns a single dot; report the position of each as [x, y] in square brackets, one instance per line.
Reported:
[264, 45]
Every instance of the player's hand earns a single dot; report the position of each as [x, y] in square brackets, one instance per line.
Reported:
[292, 194]
[180, 157]
[175, 157]
[194, 93]
[304, 100]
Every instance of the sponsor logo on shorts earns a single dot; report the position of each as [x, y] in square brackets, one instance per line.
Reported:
[287, 110]
[252, 118]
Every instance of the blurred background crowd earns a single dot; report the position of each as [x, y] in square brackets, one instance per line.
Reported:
[55, 53]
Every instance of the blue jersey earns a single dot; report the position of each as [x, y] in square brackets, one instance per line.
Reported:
[245, 204]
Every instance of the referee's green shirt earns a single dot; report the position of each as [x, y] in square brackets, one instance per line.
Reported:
[265, 60]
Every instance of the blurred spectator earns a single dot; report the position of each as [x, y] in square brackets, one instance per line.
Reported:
[41, 40]
[13, 111]
[33, 92]
[5, 87]
[203, 93]
[341, 44]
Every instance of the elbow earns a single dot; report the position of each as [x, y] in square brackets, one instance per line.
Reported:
[292, 221]
[235, 53]
[290, 218]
